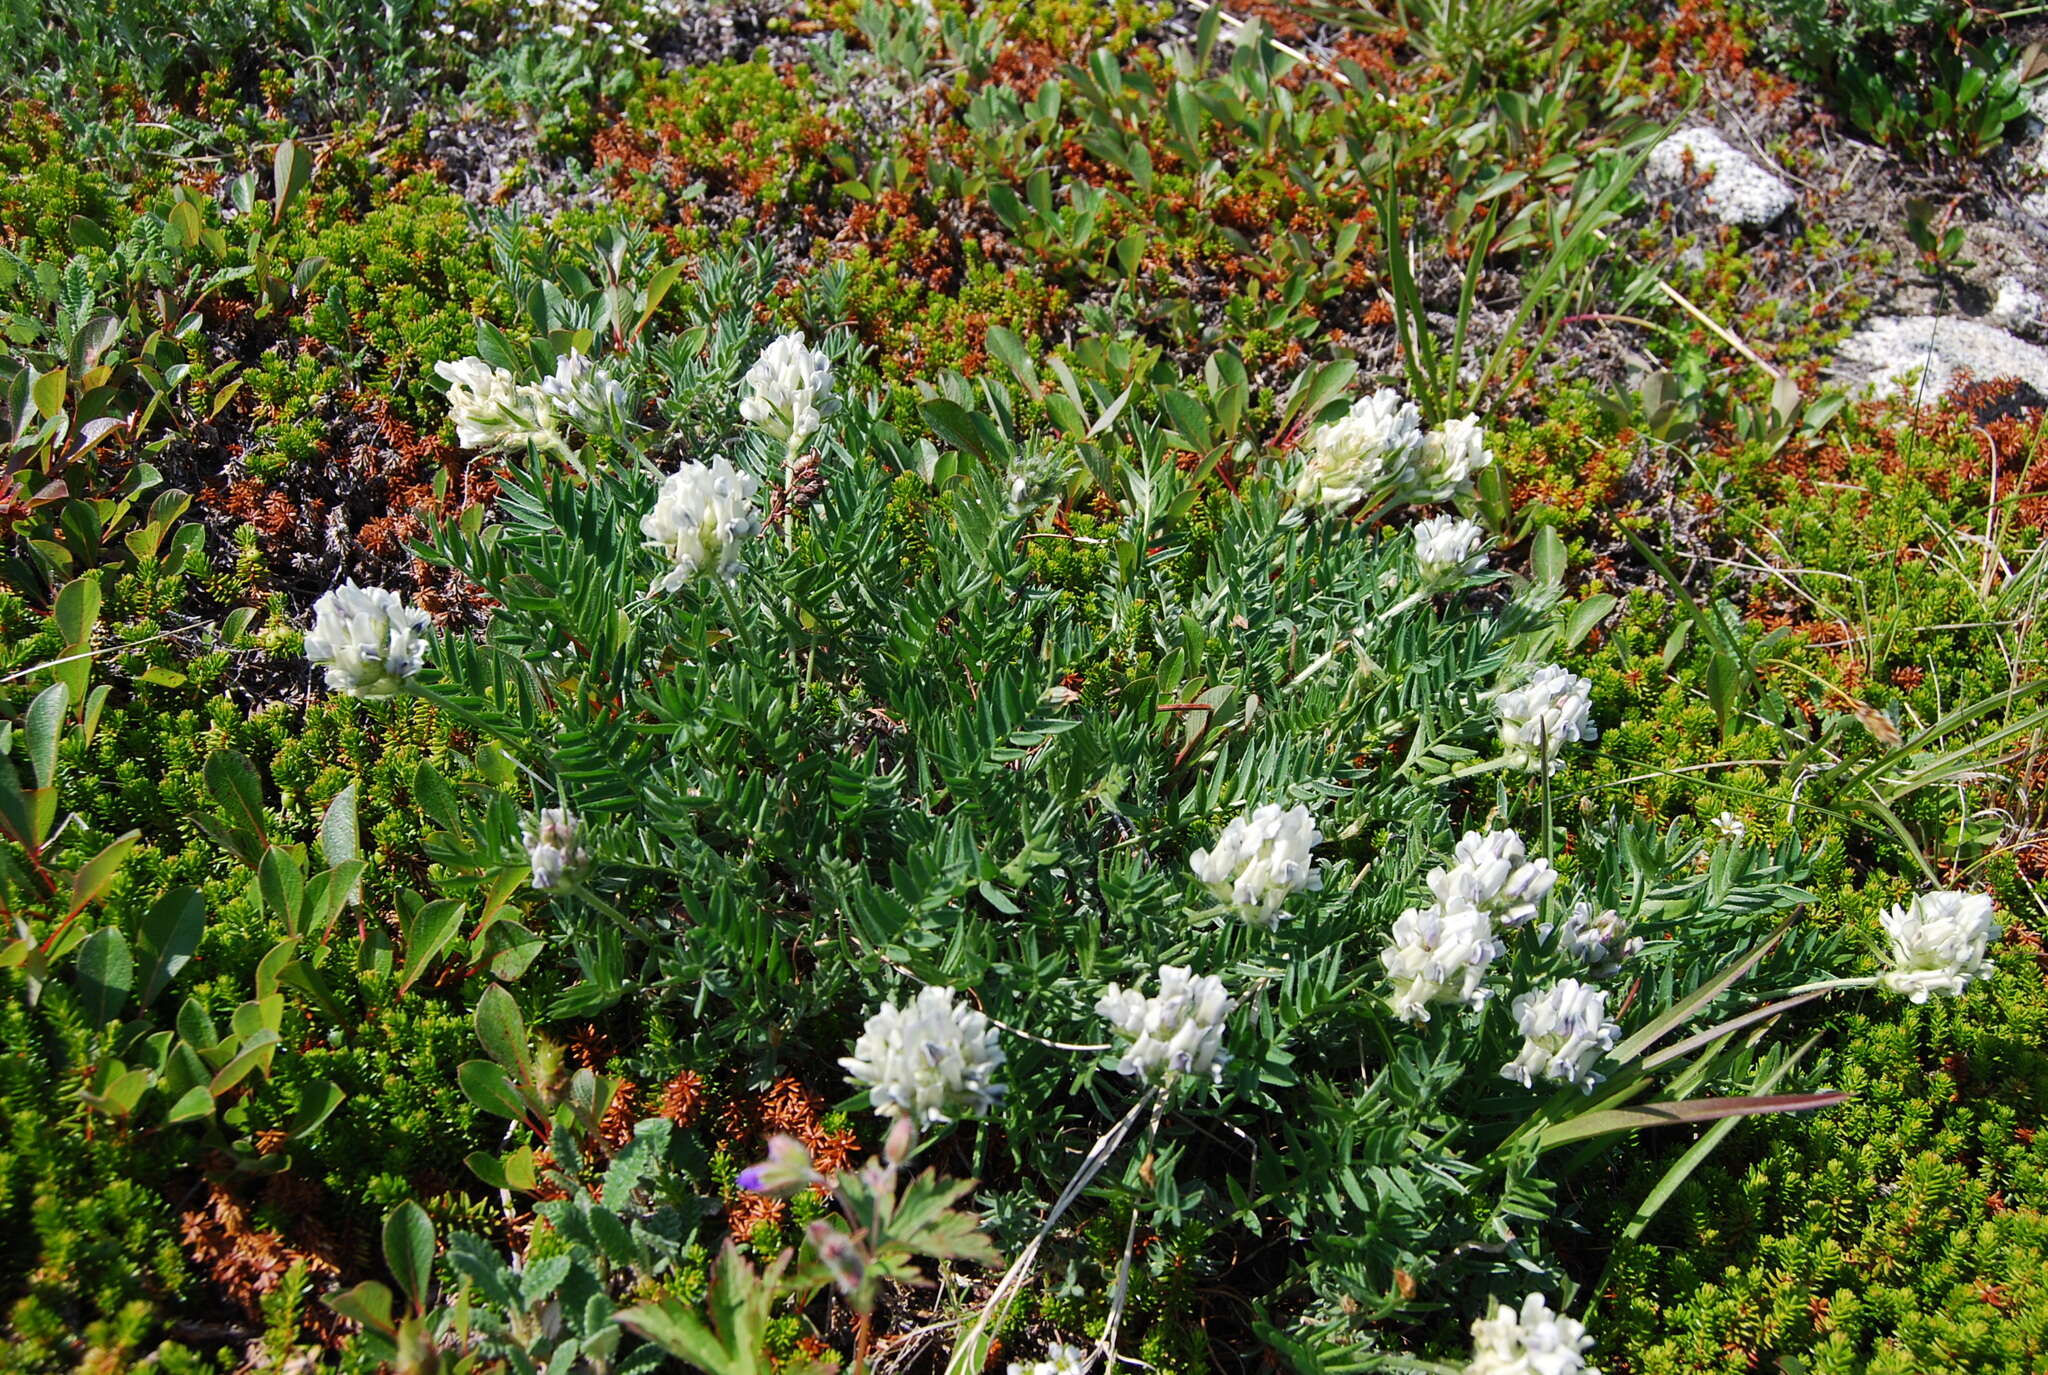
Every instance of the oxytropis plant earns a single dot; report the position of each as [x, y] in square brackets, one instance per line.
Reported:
[1192, 851]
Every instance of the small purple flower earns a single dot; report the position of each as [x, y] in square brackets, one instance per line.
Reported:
[786, 1170]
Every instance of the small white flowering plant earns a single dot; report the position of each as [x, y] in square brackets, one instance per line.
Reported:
[1164, 848]
[368, 641]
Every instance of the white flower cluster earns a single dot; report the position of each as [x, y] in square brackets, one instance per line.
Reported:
[1939, 942]
[493, 411]
[588, 394]
[1060, 1359]
[1493, 872]
[1539, 718]
[1600, 941]
[553, 848]
[1450, 458]
[581, 22]
[1438, 954]
[1534, 1341]
[1379, 452]
[789, 390]
[1260, 859]
[1447, 548]
[367, 639]
[700, 517]
[1368, 454]
[932, 1061]
[1565, 1031]
[1178, 1030]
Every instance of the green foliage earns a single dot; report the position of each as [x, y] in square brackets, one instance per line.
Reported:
[1033, 622]
[1903, 1232]
[405, 282]
[740, 127]
[1904, 70]
[996, 837]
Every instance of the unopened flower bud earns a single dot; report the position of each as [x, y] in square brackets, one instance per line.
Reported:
[901, 1142]
[842, 1259]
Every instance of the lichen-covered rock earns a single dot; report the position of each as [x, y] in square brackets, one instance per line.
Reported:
[1890, 349]
[1738, 190]
[2018, 307]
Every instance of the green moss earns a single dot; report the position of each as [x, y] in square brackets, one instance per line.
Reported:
[1904, 1231]
[403, 289]
[42, 192]
[739, 127]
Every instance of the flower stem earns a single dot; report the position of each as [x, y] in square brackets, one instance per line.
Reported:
[1474, 770]
[1821, 986]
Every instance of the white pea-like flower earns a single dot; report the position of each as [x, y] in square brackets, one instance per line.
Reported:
[1369, 454]
[1598, 940]
[1436, 955]
[1939, 943]
[553, 847]
[1534, 1341]
[367, 639]
[1494, 873]
[699, 520]
[1447, 548]
[1176, 1031]
[789, 390]
[1060, 1359]
[1260, 859]
[1729, 826]
[1539, 718]
[932, 1061]
[588, 394]
[1447, 461]
[1565, 1031]
[492, 411]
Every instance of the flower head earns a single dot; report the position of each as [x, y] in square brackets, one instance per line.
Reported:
[1438, 954]
[932, 1061]
[699, 519]
[1729, 826]
[367, 639]
[1447, 548]
[1494, 873]
[1565, 1031]
[789, 390]
[1259, 859]
[587, 393]
[1447, 461]
[1368, 454]
[552, 847]
[1534, 1341]
[1598, 940]
[1178, 1030]
[492, 411]
[1060, 1359]
[1939, 943]
[1539, 718]
[786, 1170]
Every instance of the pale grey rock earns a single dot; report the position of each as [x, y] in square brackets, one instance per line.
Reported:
[1886, 353]
[2018, 307]
[1738, 190]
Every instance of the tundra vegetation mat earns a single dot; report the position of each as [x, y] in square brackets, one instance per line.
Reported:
[1044, 687]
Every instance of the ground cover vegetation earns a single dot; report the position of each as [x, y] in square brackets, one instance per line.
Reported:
[1015, 686]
